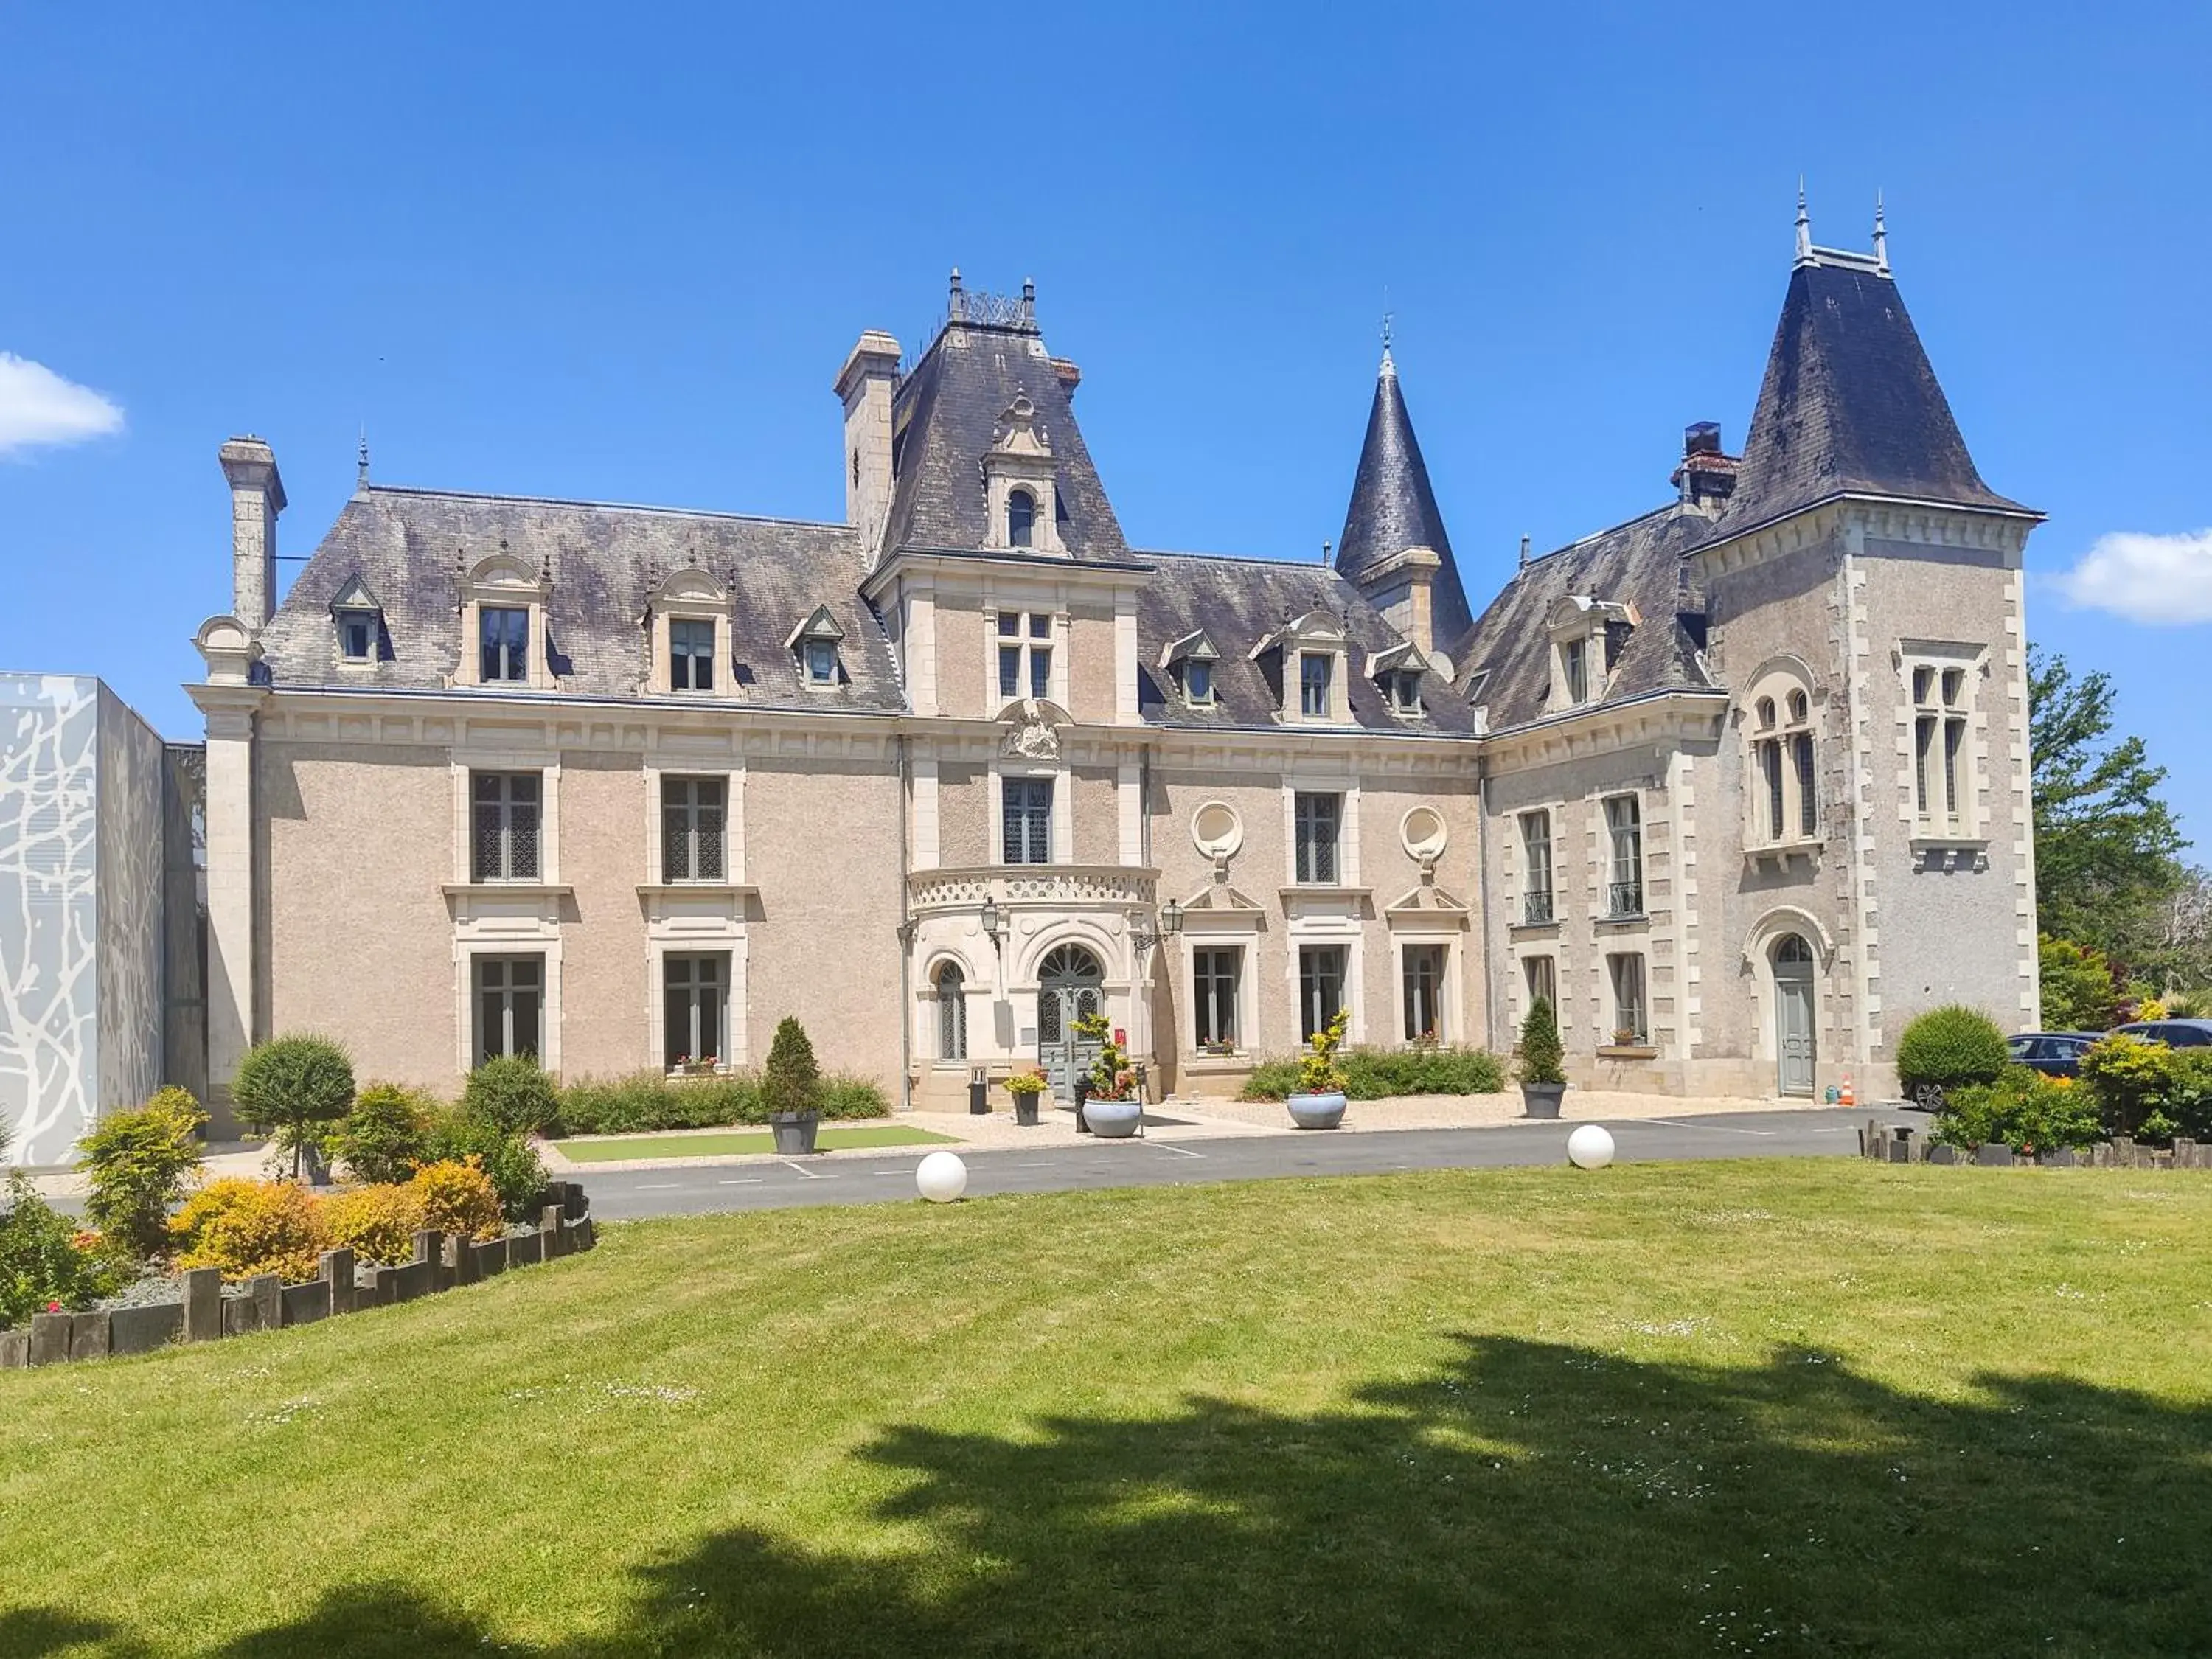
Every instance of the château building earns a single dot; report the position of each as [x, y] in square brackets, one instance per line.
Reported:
[1742, 784]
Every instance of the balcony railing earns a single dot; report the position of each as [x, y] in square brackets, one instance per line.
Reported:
[1536, 908]
[1044, 885]
[1624, 898]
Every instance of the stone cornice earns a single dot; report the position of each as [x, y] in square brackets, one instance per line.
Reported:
[1603, 728]
[1862, 519]
[1100, 575]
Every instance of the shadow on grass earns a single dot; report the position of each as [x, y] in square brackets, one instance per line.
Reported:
[1525, 1499]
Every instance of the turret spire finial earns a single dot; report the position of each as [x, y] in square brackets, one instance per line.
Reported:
[360, 463]
[1389, 321]
[1881, 237]
[1804, 226]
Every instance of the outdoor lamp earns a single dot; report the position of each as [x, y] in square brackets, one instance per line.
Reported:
[1171, 920]
[991, 918]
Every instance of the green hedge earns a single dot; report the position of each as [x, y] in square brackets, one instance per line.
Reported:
[1950, 1049]
[1381, 1073]
[648, 1101]
[2025, 1109]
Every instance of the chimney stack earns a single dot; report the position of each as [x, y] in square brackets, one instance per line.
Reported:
[256, 497]
[864, 385]
[1706, 477]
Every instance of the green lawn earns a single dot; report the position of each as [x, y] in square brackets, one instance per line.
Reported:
[742, 1141]
[1800, 1408]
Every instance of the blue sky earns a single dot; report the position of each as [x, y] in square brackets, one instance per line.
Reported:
[618, 253]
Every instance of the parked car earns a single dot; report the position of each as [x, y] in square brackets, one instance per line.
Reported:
[2173, 1033]
[2054, 1054]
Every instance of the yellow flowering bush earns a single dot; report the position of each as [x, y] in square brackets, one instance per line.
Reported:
[377, 1223]
[248, 1227]
[457, 1197]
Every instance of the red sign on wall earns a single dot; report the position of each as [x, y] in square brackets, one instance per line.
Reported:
[1120, 1038]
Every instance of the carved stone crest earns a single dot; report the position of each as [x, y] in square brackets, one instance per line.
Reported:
[1029, 736]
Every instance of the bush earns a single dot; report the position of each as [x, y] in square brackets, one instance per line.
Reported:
[457, 1198]
[1271, 1079]
[2131, 1080]
[385, 1135]
[1318, 1071]
[509, 1161]
[139, 1163]
[793, 1082]
[649, 1101]
[41, 1263]
[292, 1086]
[248, 1227]
[847, 1097]
[2188, 1103]
[1387, 1073]
[1950, 1048]
[2079, 993]
[509, 1093]
[1543, 1057]
[2025, 1109]
[377, 1223]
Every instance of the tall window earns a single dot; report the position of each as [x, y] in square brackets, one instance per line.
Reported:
[1021, 518]
[1786, 803]
[693, 812]
[952, 1012]
[1574, 670]
[1939, 700]
[1808, 799]
[1423, 976]
[1315, 820]
[1624, 823]
[503, 643]
[1629, 1019]
[1536, 849]
[1028, 820]
[1198, 682]
[690, 655]
[694, 992]
[1214, 973]
[1321, 986]
[1313, 685]
[503, 842]
[1024, 653]
[1541, 975]
[509, 995]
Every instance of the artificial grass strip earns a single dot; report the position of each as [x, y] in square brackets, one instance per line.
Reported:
[739, 1142]
[1805, 1407]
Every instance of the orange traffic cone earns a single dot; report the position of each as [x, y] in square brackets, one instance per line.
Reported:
[1849, 1099]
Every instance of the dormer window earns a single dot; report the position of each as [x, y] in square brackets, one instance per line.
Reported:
[1574, 670]
[1021, 518]
[1408, 698]
[1397, 671]
[690, 654]
[1314, 667]
[1021, 491]
[1589, 637]
[1198, 684]
[1190, 659]
[360, 623]
[814, 642]
[503, 643]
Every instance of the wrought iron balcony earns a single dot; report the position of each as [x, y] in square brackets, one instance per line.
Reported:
[1536, 908]
[1624, 898]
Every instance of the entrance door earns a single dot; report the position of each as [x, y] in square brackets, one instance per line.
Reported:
[1793, 1015]
[1068, 986]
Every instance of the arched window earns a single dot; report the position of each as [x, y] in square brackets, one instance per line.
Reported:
[1784, 796]
[1766, 713]
[1021, 518]
[952, 1012]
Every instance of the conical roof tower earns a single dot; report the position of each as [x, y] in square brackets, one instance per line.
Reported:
[1392, 519]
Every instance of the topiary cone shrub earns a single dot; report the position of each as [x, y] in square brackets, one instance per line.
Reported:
[1950, 1048]
[791, 1083]
[1543, 1057]
[292, 1086]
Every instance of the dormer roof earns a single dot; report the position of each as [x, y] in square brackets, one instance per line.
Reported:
[353, 595]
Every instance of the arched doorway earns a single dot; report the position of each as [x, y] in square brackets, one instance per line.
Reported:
[1794, 1042]
[1070, 984]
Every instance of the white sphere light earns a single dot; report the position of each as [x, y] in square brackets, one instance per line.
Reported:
[1589, 1147]
[941, 1177]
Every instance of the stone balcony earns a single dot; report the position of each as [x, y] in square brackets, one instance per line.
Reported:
[1019, 886]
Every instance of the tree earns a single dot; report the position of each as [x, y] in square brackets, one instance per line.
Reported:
[2078, 991]
[293, 1085]
[1543, 1059]
[2107, 846]
[792, 1082]
[139, 1163]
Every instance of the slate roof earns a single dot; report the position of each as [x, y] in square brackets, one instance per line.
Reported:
[1238, 602]
[1850, 404]
[606, 561]
[1393, 506]
[1638, 563]
[945, 414]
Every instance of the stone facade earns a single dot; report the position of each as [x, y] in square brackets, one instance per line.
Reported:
[940, 778]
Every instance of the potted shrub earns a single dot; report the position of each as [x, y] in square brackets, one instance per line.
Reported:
[1025, 1087]
[1110, 1105]
[1543, 1062]
[1318, 1101]
[791, 1087]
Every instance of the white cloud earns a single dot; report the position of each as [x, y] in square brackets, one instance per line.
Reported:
[37, 406]
[2163, 581]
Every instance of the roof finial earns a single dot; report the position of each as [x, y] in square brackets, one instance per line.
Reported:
[1524, 552]
[1324, 550]
[360, 463]
[956, 306]
[1804, 226]
[1881, 236]
[1389, 320]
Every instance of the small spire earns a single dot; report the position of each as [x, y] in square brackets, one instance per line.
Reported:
[1029, 302]
[1881, 237]
[360, 463]
[956, 306]
[1324, 550]
[1804, 226]
[1389, 328]
[1524, 552]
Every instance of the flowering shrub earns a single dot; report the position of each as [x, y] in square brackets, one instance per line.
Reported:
[1112, 1077]
[377, 1223]
[457, 1198]
[2025, 1109]
[43, 1269]
[248, 1227]
[2128, 1077]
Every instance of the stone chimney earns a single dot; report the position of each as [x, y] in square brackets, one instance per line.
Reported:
[864, 385]
[1706, 477]
[256, 497]
[1068, 375]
